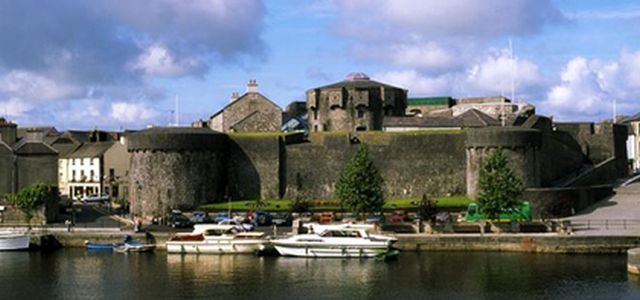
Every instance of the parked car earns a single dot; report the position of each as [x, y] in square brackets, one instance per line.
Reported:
[199, 217]
[95, 198]
[221, 217]
[262, 218]
[398, 216]
[375, 218]
[282, 219]
[178, 221]
[306, 217]
[327, 216]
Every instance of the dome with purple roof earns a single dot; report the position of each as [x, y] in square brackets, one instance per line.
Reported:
[356, 76]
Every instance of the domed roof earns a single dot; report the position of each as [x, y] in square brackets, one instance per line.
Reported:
[356, 76]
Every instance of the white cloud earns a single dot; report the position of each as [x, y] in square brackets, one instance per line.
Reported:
[159, 61]
[416, 83]
[14, 108]
[132, 112]
[31, 85]
[496, 71]
[580, 92]
[96, 51]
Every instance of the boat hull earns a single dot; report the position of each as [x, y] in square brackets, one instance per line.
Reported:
[336, 251]
[216, 247]
[135, 248]
[14, 242]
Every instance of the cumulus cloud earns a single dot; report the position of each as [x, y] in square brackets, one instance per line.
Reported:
[588, 88]
[131, 112]
[102, 50]
[489, 75]
[496, 72]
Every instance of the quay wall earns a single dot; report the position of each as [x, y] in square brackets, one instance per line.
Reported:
[533, 243]
[518, 243]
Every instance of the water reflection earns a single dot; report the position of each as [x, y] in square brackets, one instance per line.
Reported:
[77, 274]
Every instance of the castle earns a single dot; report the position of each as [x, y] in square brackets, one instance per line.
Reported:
[561, 164]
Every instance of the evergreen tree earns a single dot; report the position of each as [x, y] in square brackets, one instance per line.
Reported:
[500, 189]
[360, 187]
[427, 209]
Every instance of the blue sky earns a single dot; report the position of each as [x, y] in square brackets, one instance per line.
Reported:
[119, 64]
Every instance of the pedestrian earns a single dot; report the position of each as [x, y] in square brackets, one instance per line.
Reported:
[68, 224]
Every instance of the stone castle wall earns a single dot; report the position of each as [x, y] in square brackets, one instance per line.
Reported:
[182, 171]
[161, 181]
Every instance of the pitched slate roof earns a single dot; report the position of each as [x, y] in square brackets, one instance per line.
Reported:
[476, 118]
[91, 150]
[31, 147]
[470, 118]
[241, 98]
[356, 84]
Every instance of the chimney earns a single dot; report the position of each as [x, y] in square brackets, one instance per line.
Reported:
[34, 135]
[234, 96]
[252, 86]
[8, 132]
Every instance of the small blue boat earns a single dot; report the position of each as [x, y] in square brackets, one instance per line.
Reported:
[101, 246]
[106, 246]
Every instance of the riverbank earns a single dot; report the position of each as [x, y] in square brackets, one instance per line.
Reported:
[534, 243]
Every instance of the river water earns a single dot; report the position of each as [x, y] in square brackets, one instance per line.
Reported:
[79, 274]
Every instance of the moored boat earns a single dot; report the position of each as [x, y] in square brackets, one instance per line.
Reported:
[134, 247]
[342, 241]
[217, 239]
[12, 241]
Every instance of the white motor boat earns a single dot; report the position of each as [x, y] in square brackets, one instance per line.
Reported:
[344, 240]
[11, 241]
[217, 239]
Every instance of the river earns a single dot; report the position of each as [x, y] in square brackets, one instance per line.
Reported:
[79, 274]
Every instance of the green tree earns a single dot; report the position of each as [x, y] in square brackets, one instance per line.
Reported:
[360, 187]
[427, 209]
[500, 189]
[30, 198]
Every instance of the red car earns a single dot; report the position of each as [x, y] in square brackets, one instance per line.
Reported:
[398, 216]
[327, 216]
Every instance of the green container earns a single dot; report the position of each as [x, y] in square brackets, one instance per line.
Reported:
[522, 213]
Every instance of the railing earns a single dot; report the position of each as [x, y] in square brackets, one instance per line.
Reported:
[604, 224]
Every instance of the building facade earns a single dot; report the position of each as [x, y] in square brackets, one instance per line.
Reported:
[251, 112]
[354, 104]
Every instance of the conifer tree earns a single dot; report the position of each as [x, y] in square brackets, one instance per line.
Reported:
[360, 187]
[500, 189]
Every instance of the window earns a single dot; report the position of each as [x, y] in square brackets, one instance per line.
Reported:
[315, 128]
[112, 173]
[315, 114]
[91, 174]
[73, 175]
[361, 128]
[360, 110]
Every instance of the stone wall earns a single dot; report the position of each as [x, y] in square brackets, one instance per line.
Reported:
[161, 181]
[563, 202]
[253, 166]
[6, 169]
[37, 168]
[175, 168]
[520, 145]
[252, 112]
[410, 164]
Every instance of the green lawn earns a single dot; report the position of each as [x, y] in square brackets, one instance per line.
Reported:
[322, 205]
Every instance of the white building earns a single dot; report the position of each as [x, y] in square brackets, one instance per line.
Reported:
[633, 142]
[82, 170]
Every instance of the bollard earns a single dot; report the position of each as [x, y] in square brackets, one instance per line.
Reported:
[633, 261]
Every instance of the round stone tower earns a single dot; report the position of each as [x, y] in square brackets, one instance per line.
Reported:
[519, 144]
[174, 168]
